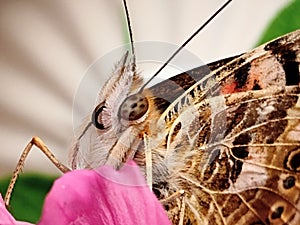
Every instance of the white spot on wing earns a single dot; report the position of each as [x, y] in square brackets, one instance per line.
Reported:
[264, 109]
[251, 176]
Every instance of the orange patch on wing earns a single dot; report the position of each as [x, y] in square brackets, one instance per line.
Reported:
[229, 88]
[232, 87]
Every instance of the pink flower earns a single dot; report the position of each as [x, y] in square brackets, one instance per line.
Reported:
[6, 218]
[102, 196]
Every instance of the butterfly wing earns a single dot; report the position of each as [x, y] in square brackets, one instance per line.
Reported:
[233, 139]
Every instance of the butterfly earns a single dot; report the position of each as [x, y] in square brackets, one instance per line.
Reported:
[222, 140]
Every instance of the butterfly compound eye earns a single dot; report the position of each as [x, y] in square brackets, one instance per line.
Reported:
[134, 107]
[96, 116]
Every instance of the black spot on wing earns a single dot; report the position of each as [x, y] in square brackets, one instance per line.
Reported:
[287, 56]
[292, 160]
[258, 223]
[295, 162]
[239, 153]
[277, 213]
[242, 139]
[289, 182]
[241, 75]
[256, 86]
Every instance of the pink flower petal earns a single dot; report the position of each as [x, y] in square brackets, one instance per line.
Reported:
[6, 218]
[103, 196]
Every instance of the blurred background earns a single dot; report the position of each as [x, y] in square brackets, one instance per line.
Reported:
[46, 47]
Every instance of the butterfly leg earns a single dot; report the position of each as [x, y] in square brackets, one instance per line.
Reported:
[148, 157]
[35, 141]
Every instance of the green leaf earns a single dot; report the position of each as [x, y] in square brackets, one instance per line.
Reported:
[287, 20]
[28, 195]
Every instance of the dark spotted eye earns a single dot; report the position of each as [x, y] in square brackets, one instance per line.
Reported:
[134, 107]
[96, 116]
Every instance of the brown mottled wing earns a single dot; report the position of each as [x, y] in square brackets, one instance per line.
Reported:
[233, 140]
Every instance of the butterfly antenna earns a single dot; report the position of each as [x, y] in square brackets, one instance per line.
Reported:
[185, 43]
[130, 34]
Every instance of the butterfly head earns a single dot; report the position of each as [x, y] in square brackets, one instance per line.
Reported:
[120, 99]
[119, 115]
